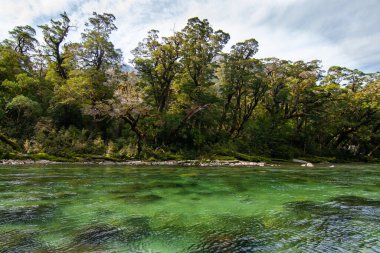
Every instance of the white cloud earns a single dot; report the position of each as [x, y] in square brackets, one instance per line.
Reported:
[333, 31]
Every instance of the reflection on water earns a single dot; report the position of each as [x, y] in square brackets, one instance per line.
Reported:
[170, 209]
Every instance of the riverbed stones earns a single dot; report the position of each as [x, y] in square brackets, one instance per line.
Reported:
[311, 208]
[141, 187]
[130, 230]
[26, 214]
[140, 198]
[207, 163]
[225, 243]
[21, 241]
[350, 200]
[99, 234]
[136, 228]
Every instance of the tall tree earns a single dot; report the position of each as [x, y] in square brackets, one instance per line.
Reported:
[99, 51]
[195, 90]
[356, 105]
[352, 79]
[23, 39]
[54, 35]
[200, 47]
[9, 63]
[157, 65]
[127, 104]
[242, 84]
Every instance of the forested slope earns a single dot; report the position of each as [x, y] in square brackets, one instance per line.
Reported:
[185, 98]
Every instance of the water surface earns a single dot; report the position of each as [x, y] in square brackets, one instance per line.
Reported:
[66, 208]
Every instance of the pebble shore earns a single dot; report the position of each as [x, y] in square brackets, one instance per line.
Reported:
[207, 163]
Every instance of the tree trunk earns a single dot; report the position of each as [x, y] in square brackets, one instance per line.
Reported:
[140, 136]
[188, 116]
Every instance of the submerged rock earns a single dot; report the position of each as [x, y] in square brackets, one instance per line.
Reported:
[350, 200]
[136, 228]
[26, 214]
[317, 209]
[237, 234]
[129, 188]
[98, 234]
[361, 208]
[167, 185]
[140, 198]
[20, 242]
[332, 225]
[347, 207]
[140, 187]
[133, 229]
[59, 195]
[303, 206]
[226, 243]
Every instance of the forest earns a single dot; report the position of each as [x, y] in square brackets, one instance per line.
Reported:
[184, 97]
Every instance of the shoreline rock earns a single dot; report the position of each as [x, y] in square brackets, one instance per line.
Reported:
[25, 162]
[303, 163]
[185, 163]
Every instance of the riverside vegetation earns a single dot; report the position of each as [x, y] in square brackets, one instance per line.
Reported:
[184, 98]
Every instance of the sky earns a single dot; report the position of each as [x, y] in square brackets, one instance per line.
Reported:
[338, 32]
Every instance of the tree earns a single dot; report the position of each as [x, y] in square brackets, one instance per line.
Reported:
[23, 39]
[184, 95]
[9, 63]
[98, 51]
[242, 85]
[23, 106]
[195, 87]
[200, 47]
[127, 103]
[157, 65]
[98, 56]
[351, 79]
[34, 88]
[355, 104]
[54, 35]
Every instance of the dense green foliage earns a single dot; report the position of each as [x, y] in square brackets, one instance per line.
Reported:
[186, 98]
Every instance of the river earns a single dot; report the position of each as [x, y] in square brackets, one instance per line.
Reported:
[83, 208]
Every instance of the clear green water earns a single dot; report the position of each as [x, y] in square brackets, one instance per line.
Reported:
[171, 209]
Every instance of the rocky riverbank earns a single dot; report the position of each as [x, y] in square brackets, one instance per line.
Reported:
[201, 163]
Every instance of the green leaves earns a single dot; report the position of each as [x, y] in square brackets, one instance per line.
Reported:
[54, 35]
[98, 51]
[23, 39]
[24, 107]
[158, 65]
[243, 85]
[77, 91]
